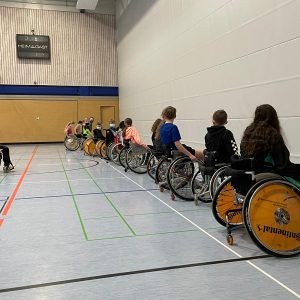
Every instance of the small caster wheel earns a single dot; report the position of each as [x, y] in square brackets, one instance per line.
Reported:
[161, 189]
[125, 169]
[196, 200]
[173, 197]
[229, 239]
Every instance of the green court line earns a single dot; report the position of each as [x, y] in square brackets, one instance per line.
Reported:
[74, 201]
[145, 214]
[111, 203]
[141, 235]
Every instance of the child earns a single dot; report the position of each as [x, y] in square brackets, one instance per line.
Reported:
[110, 133]
[155, 137]
[131, 133]
[78, 129]
[8, 166]
[170, 136]
[98, 133]
[263, 139]
[220, 139]
[86, 131]
[69, 128]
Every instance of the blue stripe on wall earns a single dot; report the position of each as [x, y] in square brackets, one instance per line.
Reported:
[58, 90]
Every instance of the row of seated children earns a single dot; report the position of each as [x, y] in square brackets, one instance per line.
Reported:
[262, 140]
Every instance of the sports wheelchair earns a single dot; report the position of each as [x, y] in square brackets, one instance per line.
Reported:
[72, 142]
[175, 172]
[208, 177]
[266, 203]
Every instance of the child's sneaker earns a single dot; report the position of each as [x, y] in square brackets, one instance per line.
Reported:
[8, 168]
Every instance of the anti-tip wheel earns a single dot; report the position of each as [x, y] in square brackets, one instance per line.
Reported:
[229, 239]
[173, 197]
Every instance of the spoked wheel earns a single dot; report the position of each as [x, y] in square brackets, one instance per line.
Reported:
[115, 152]
[122, 157]
[86, 145]
[161, 173]
[271, 215]
[200, 187]
[137, 163]
[72, 143]
[103, 150]
[216, 180]
[151, 166]
[92, 148]
[225, 200]
[98, 147]
[179, 177]
[108, 150]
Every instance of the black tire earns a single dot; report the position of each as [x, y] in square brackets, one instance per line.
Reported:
[252, 227]
[122, 157]
[219, 215]
[179, 178]
[151, 166]
[71, 143]
[215, 181]
[200, 186]
[161, 172]
[137, 162]
[115, 152]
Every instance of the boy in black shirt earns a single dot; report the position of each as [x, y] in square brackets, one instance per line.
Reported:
[220, 139]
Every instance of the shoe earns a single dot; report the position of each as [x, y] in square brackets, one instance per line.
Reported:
[8, 168]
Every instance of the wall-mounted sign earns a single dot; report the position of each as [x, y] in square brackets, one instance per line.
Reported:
[33, 46]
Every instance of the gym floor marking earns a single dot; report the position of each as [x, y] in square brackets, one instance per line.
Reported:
[54, 283]
[215, 239]
[16, 189]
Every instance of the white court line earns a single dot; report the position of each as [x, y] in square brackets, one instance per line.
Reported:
[215, 239]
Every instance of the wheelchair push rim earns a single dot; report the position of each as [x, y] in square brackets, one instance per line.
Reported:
[137, 162]
[225, 200]
[179, 177]
[71, 143]
[151, 166]
[271, 216]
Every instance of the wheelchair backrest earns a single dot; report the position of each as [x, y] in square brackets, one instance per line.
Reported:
[210, 158]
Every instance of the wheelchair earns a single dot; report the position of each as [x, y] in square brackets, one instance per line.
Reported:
[175, 172]
[208, 177]
[72, 142]
[136, 159]
[267, 204]
[153, 163]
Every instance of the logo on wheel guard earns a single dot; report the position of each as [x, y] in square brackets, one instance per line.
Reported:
[286, 233]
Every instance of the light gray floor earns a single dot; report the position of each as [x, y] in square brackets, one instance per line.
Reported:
[74, 219]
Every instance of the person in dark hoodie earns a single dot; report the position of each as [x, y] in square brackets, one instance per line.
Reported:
[220, 139]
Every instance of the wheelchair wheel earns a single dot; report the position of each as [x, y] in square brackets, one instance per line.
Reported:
[161, 173]
[137, 163]
[92, 148]
[271, 215]
[179, 178]
[86, 145]
[108, 150]
[227, 199]
[216, 180]
[122, 157]
[98, 147]
[115, 152]
[199, 185]
[151, 166]
[72, 143]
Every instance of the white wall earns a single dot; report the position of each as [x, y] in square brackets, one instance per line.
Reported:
[204, 55]
[83, 48]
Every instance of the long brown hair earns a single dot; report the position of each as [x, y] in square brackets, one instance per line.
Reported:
[263, 133]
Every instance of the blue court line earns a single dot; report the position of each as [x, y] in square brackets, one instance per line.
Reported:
[81, 194]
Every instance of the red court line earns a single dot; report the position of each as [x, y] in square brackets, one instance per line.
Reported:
[15, 191]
